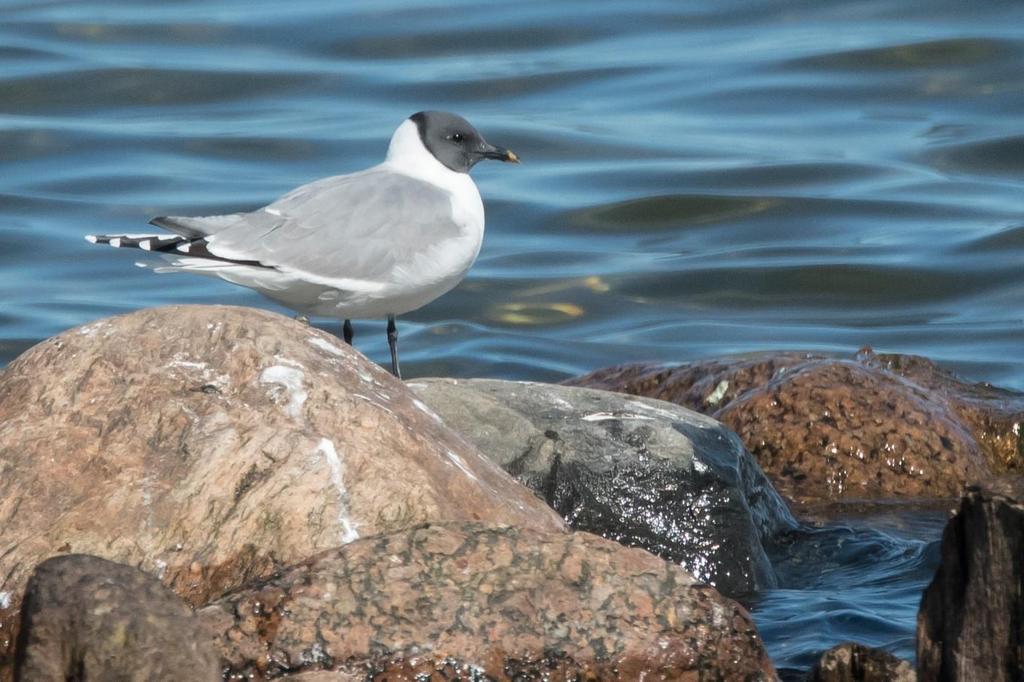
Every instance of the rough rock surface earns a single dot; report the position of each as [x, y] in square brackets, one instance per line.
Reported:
[643, 472]
[210, 444]
[826, 428]
[86, 618]
[851, 662]
[992, 415]
[971, 622]
[495, 603]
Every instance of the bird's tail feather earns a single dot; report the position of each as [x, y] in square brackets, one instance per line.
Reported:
[169, 245]
[146, 242]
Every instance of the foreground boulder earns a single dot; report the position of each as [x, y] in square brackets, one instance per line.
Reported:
[486, 603]
[643, 472]
[209, 445]
[85, 618]
[971, 622]
[826, 428]
[858, 663]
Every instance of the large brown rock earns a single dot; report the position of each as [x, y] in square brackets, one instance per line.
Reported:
[992, 415]
[85, 618]
[971, 622]
[470, 602]
[826, 428]
[834, 429]
[209, 445]
[645, 473]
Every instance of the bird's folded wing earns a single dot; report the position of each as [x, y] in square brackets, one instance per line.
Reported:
[359, 227]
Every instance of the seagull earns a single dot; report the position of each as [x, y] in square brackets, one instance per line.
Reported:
[373, 244]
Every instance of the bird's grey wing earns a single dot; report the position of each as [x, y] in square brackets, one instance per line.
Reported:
[196, 227]
[360, 227]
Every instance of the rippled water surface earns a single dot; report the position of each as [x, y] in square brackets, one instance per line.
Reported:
[699, 178]
[855, 578]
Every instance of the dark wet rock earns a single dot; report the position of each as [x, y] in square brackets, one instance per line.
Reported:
[643, 472]
[210, 445]
[971, 622]
[494, 603]
[851, 662]
[85, 618]
[827, 428]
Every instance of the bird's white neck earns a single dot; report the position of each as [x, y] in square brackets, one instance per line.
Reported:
[408, 155]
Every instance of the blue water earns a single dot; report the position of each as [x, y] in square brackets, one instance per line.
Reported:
[854, 578]
[699, 178]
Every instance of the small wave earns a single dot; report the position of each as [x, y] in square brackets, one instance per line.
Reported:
[956, 53]
[996, 156]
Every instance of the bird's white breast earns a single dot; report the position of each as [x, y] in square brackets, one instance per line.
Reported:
[442, 265]
[407, 155]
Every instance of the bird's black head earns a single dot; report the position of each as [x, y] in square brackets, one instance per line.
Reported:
[454, 142]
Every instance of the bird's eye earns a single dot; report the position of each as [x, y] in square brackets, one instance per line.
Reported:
[457, 137]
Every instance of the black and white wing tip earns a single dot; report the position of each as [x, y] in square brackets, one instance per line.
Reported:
[146, 242]
[166, 244]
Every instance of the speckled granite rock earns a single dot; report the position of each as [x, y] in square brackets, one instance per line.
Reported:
[971, 622]
[992, 415]
[211, 444]
[826, 428]
[838, 429]
[851, 662]
[643, 472]
[495, 603]
[86, 618]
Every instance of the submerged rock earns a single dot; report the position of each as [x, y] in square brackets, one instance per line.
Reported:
[851, 662]
[209, 445]
[971, 622]
[86, 618]
[826, 428]
[469, 602]
[643, 472]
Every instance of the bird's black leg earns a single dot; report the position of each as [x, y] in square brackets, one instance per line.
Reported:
[393, 345]
[347, 333]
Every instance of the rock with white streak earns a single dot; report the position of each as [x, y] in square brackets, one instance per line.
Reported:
[643, 472]
[211, 445]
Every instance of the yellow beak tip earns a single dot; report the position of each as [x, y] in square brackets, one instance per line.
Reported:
[512, 158]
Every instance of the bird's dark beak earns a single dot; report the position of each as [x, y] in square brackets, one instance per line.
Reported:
[499, 154]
